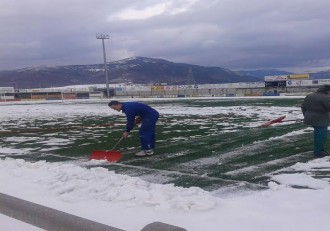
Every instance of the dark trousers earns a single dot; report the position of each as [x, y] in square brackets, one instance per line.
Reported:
[147, 132]
[320, 138]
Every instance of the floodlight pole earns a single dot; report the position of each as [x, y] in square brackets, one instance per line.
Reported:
[105, 36]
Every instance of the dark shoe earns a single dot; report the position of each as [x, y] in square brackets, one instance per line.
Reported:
[322, 154]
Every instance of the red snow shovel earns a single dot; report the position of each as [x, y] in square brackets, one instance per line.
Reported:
[278, 120]
[109, 155]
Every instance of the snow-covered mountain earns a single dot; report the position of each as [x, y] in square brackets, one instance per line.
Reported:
[139, 70]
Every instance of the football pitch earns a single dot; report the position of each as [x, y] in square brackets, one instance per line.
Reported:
[213, 143]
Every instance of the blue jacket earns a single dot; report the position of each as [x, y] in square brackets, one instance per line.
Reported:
[133, 109]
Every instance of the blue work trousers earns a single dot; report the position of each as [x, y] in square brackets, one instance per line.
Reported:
[320, 138]
[147, 131]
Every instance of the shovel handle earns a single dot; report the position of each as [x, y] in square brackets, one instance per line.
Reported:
[117, 143]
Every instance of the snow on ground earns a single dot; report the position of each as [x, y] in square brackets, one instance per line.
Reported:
[130, 203]
[296, 201]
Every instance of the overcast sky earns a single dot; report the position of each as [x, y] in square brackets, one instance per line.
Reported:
[233, 34]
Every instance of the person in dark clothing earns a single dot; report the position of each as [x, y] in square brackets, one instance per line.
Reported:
[316, 108]
[136, 113]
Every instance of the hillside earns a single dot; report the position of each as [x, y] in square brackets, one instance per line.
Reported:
[137, 70]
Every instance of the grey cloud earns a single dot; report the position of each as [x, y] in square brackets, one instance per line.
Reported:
[227, 33]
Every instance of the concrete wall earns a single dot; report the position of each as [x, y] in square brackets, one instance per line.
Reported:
[292, 87]
[222, 92]
[203, 92]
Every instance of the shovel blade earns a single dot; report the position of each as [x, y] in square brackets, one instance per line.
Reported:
[109, 155]
[278, 120]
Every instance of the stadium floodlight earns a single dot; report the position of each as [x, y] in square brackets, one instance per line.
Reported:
[105, 36]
